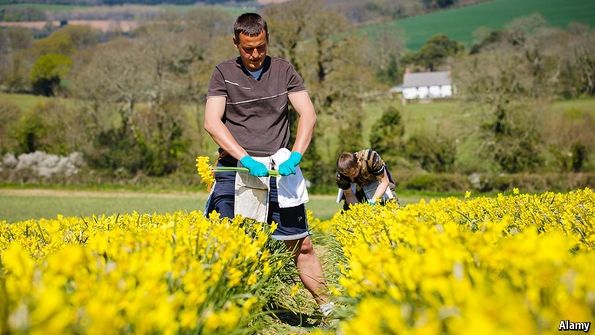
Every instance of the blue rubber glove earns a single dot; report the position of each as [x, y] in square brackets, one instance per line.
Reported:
[257, 169]
[372, 202]
[288, 167]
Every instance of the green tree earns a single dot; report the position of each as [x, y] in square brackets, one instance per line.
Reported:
[9, 116]
[501, 84]
[48, 72]
[519, 30]
[580, 154]
[433, 152]
[386, 135]
[22, 14]
[13, 60]
[29, 132]
[384, 55]
[147, 81]
[438, 4]
[435, 52]
[67, 40]
[322, 46]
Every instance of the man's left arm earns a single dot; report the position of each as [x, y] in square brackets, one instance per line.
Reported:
[307, 120]
[303, 106]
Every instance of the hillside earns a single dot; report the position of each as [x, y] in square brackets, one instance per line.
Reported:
[460, 23]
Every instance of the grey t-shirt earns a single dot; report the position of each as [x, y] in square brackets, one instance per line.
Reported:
[256, 111]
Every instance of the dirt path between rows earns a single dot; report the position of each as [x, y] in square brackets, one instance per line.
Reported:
[102, 194]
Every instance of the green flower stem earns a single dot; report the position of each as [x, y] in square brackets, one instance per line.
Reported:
[273, 173]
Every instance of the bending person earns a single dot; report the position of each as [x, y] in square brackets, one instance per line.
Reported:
[363, 177]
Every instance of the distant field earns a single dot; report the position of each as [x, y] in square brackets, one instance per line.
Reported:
[52, 8]
[103, 25]
[460, 23]
[24, 101]
[40, 6]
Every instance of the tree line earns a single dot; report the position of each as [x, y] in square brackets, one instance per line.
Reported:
[356, 11]
[133, 103]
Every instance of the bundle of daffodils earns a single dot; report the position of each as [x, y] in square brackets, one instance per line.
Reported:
[207, 172]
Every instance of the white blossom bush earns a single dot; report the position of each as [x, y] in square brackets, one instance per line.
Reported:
[42, 165]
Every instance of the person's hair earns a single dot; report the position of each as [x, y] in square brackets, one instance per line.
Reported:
[346, 163]
[250, 24]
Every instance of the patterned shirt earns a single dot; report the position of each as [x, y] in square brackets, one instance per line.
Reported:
[370, 168]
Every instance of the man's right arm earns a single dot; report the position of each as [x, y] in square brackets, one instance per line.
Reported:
[214, 110]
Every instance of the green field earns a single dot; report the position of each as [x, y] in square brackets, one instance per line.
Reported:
[22, 204]
[17, 204]
[460, 23]
[25, 102]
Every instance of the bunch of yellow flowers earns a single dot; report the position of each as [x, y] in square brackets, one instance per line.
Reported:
[207, 172]
[510, 264]
[171, 273]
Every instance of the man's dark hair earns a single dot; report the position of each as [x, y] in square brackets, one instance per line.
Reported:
[250, 24]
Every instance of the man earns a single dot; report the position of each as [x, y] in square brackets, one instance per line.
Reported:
[362, 176]
[246, 114]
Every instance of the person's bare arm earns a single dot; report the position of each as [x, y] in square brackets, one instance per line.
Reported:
[381, 189]
[214, 110]
[350, 198]
[303, 106]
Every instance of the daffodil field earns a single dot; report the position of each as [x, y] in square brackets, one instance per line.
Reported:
[173, 274]
[511, 264]
[516, 264]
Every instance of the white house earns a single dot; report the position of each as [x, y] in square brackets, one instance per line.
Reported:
[426, 85]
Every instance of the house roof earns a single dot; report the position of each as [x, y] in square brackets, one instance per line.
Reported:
[417, 79]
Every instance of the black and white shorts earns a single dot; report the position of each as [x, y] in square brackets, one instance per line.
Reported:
[292, 223]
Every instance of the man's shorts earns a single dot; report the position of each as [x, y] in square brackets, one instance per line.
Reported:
[291, 222]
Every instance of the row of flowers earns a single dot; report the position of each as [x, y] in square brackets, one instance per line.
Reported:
[516, 264]
[172, 274]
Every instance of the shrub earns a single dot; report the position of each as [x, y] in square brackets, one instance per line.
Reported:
[28, 132]
[115, 149]
[48, 72]
[435, 182]
[434, 153]
[532, 182]
[9, 115]
[386, 135]
[52, 127]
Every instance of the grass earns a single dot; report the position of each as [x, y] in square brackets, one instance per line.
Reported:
[460, 23]
[450, 114]
[23, 207]
[17, 204]
[25, 102]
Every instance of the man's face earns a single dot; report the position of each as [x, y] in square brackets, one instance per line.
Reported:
[253, 50]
